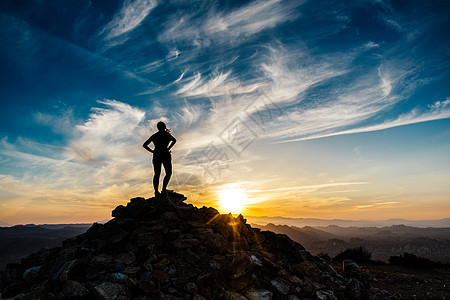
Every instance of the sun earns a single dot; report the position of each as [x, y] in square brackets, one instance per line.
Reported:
[232, 200]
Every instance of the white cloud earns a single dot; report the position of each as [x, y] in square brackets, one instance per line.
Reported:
[438, 110]
[234, 26]
[218, 85]
[109, 132]
[290, 73]
[132, 13]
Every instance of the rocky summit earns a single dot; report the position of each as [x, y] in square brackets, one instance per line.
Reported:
[163, 248]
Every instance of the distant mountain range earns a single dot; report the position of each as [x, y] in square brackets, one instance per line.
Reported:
[301, 222]
[19, 241]
[382, 242]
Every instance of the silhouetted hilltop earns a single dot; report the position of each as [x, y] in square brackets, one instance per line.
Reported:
[162, 248]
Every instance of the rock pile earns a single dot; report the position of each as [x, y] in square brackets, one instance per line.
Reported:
[162, 248]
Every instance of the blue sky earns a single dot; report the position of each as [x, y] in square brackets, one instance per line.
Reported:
[311, 108]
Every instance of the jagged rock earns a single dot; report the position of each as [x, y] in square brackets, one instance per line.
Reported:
[30, 274]
[162, 248]
[237, 264]
[109, 291]
[131, 270]
[306, 268]
[190, 287]
[185, 243]
[119, 278]
[259, 295]
[233, 296]
[325, 295]
[281, 285]
[101, 260]
[119, 211]
[73, 289]
[126, 258]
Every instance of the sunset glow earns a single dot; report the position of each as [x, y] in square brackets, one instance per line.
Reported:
[232, 200]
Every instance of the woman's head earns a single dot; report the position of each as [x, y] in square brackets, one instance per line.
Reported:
[161, 126]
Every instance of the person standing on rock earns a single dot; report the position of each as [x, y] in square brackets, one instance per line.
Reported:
[163, 142]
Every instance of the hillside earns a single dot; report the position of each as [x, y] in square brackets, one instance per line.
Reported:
[162, 248]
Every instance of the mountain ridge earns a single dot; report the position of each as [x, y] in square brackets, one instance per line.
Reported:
[301, 222]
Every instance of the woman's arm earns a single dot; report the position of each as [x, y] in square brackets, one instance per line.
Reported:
[147, 142]
[172, 142]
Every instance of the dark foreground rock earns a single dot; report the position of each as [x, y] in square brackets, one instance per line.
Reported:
[162, 248]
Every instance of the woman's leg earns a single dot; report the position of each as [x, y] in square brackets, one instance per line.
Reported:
[157, 170]
[168, 168]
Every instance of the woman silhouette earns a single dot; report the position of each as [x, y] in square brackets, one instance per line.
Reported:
[163, 142]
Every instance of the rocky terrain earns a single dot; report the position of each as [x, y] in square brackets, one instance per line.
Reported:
[162, 248]
[410, 283]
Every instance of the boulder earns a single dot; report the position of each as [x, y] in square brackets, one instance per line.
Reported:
[30, 274]
[73, 289]
[109, 291]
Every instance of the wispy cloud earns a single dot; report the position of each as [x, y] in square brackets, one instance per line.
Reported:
[232, 26]
[438, 110]
[108, 133]
[218, 85]
[132, 13]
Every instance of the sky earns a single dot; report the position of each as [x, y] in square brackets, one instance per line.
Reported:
[308, 109]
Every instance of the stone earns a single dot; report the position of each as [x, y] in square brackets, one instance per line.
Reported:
[170, 216]
[132, 271]
[258, 295]
[119, 212]
[161, 264]
[109, 291]
[353, 289]
[211, 285]
[73, 289]
[237, 264]
[69, 268]
[216, 243]
[256, 260]
[126, 258]
[115, 235]
[306, 268]
[30, 274]
[160, 276]
[147, 285]
[325, 295]
[101, 260]
[233, 296]
[198, 297]
[135, 207]
[240, 283]
[119, 278]
[190, 287]
[185, 243]
[191, 256]
[281, 285]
